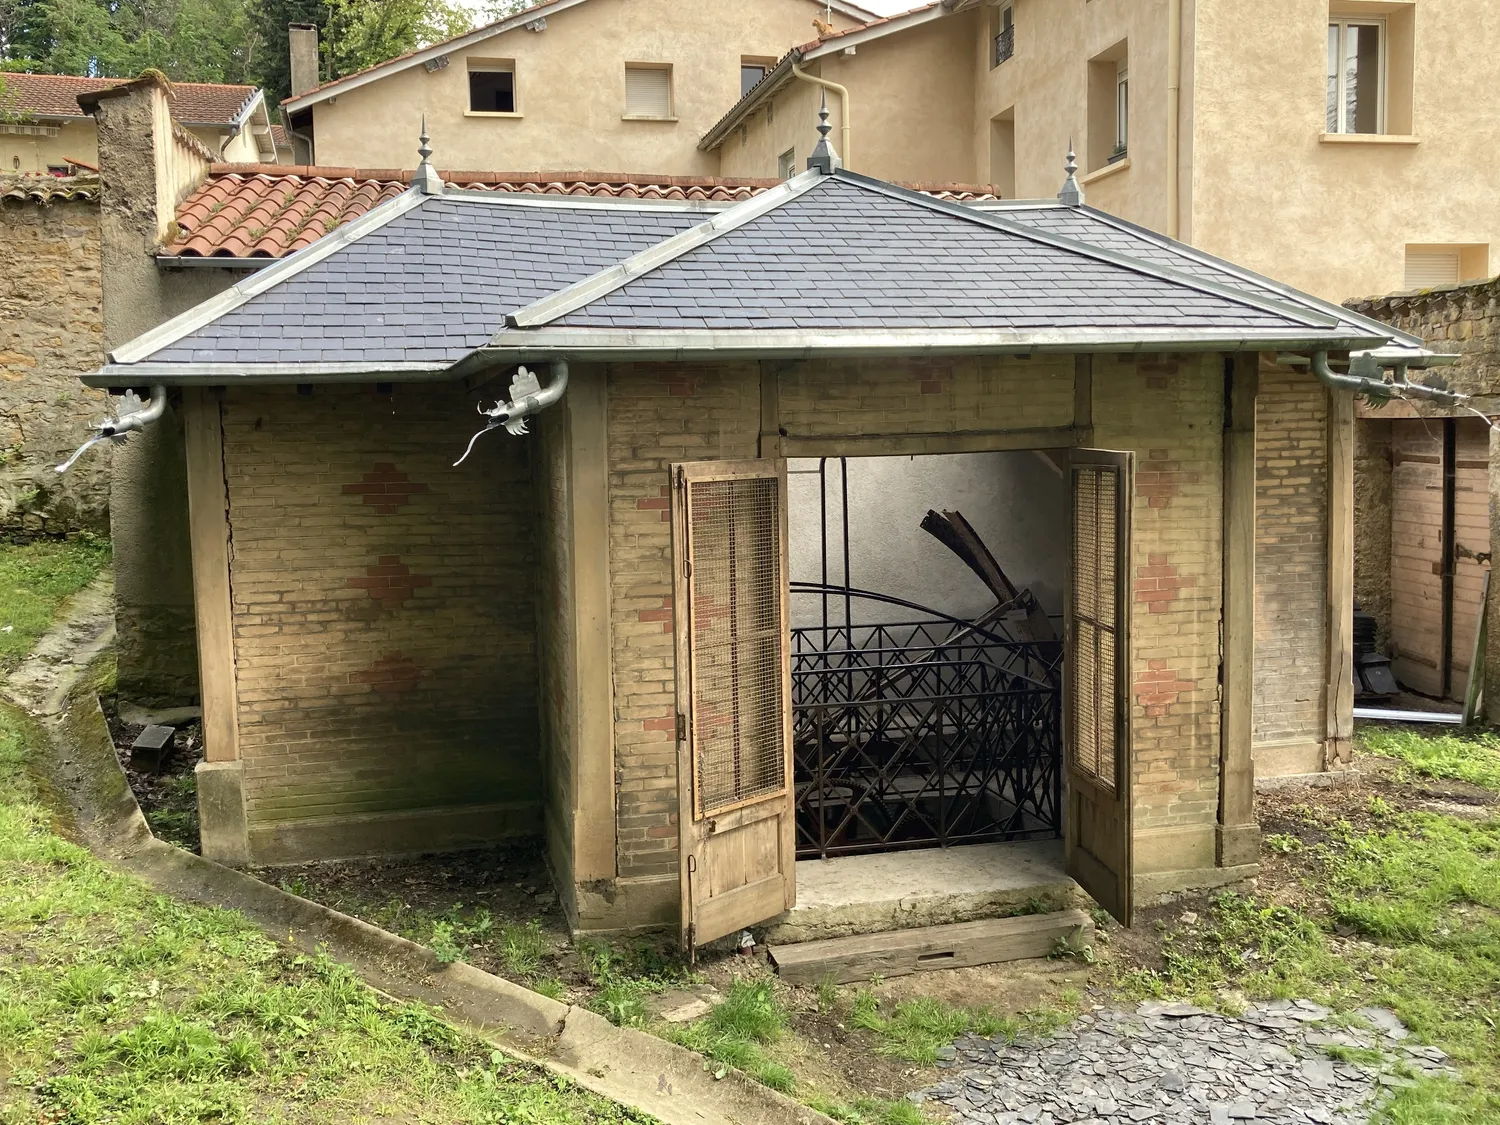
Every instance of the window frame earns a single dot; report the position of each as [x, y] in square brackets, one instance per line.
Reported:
[759, 62]
[1121, 147]
[1340, 76]
[786, 163]
[492, 66]
[1004, 21]
[666, 68]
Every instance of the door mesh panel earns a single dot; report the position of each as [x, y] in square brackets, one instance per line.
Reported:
[1092, 703]
[735, 590]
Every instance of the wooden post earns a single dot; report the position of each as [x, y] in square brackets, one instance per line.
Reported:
[1238, 832]
[1339, 689]
[1491, 691]
[1083, 400]
[208, 524]
[593, 736]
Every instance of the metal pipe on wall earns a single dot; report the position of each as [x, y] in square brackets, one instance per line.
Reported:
[843, 94]
[1174, 111]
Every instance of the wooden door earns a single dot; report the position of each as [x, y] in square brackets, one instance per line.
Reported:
[736, 830]
[1096, 693]
[1417, 554]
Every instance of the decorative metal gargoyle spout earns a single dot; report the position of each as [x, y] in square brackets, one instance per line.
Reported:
[130, 414]
[527, 396]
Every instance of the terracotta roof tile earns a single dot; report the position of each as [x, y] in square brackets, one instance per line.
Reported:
[270, 210]
[49, 189]
[56, 95]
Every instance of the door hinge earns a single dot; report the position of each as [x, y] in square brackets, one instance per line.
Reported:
[681, 727]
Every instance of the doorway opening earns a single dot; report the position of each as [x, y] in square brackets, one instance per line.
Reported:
[926, 653]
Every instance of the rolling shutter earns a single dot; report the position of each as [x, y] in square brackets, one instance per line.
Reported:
[648, 91]
[1431, 269]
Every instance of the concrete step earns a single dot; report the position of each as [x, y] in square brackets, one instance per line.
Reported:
[958, 946]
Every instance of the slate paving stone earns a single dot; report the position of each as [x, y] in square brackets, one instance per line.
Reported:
[1172, 1063]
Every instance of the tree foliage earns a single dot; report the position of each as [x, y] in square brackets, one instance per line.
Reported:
[221, 40]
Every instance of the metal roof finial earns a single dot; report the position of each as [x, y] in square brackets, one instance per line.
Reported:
[824, 159]
[1072, 191]
[426, 180]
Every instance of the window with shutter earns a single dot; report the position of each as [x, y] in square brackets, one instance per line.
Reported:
[648, 91]
[1428, 269]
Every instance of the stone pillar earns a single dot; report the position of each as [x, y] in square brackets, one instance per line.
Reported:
[148, 496]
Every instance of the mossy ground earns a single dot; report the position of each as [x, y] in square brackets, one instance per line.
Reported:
[119, 1005]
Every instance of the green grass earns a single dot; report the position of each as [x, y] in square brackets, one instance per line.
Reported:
[737, 1032]
[1474, 758]
[35, 579]
[868, 1111]
[1420, 894]
[122, 1006]
[916, 1029]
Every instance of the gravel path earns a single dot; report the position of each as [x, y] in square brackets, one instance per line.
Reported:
[1174, 1064]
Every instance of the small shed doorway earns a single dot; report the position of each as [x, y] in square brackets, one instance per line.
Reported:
[926, 675]
[823, 718]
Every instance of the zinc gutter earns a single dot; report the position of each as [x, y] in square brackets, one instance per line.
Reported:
[224, 374]
[184, 324]
[592, 344]
[617, 276]
[1307, 317]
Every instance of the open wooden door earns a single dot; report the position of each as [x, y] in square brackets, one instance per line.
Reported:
[736, 830]
[1096, 694]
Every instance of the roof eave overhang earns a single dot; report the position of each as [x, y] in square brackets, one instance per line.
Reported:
[893, 26]
[778, 76]
[622, 345]
[282, 374]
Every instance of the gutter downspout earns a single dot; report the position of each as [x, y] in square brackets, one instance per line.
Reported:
[1174, 111]
[117, 429]
[527, 397]
[843, 94]
[1359, 384]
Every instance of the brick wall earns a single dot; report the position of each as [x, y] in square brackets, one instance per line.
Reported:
[937, 396]
[384, 615]
[1291, 557]
[1169, 410]
[658, 414]
[50, 332]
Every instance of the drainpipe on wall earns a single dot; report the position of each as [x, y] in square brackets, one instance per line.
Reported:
[1174, 111]
[843, 94]
[1361, 384]
[133, 417]
[527, 397]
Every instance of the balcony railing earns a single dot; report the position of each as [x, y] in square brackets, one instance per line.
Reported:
[1005, 44]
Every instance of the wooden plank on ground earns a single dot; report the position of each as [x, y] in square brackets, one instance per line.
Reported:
[899, 953]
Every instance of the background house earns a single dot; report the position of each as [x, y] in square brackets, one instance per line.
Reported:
[43, 130]
[591, 84]
[1329, 144]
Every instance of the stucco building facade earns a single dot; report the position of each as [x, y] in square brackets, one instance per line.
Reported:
[582, 84]
[1218, 123]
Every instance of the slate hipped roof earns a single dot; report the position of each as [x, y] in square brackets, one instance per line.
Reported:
[435, 285]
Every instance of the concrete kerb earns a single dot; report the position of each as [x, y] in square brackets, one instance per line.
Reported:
[633, 1067]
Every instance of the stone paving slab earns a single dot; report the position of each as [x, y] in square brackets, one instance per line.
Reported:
[1175, 1064]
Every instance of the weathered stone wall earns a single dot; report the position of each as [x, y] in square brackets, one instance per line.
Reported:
[51, 330]
[1462, 320]
[384, 621]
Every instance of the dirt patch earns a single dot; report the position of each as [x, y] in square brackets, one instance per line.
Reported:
[166, 790]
